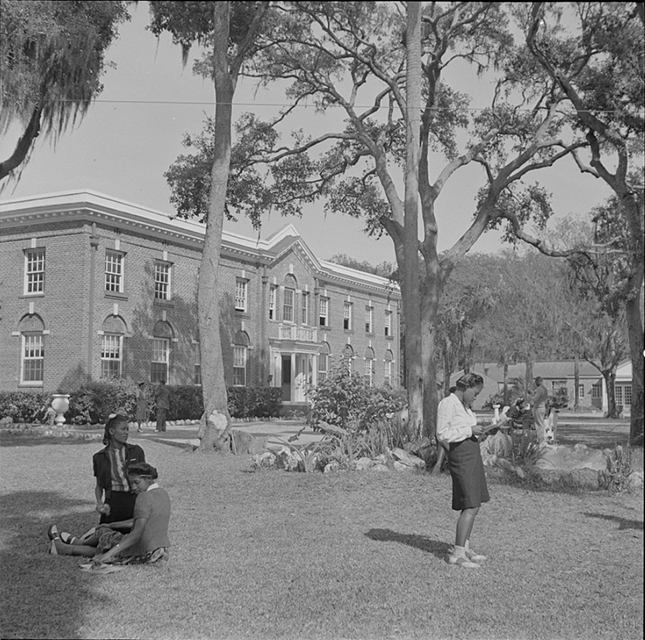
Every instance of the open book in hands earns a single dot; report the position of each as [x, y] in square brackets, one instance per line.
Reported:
[503, 420]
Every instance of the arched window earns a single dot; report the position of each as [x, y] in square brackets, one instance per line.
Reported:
[323, 361]
[32, 350]
[369, 367]
[387, 367]
[348, 356]
[113, 330]
[160, 362]
[289, 298]
[240, 358]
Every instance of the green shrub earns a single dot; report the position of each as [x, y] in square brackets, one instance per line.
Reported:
[186, 403]
[344, 400]
[254, 402]
[95, 401]
[24, 406]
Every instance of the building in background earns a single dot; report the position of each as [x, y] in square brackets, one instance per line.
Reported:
[94, 287]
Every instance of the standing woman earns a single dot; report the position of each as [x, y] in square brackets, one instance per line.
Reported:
[457, 429]
[142, 407]
[114, 499]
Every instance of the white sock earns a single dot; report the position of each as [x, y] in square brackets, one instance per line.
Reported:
[459, 552]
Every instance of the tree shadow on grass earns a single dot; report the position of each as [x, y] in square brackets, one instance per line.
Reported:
[43, 596]
[435, 547]
[23, 440]
[623, 523]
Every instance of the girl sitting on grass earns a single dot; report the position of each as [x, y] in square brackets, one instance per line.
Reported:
[147, 542]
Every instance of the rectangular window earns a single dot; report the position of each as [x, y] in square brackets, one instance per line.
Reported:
[197, 359]
[369, 319]
[159, 363]
[162, 281]
[618, 394]
[272, 301]
[323, 366]
[114, 272]
[596, 390]
[581, 391]
[387, 372]
[111, 356]
[558, 384]
[34, 271]
[239, 366]
[368, 372]
[304, 308]
[33, 357]
[323, 312]
[347, 316]
[287, 305]
[241, 286]
[388, 323]
[628, 395]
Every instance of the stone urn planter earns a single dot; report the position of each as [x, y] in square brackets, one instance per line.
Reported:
[60, 404]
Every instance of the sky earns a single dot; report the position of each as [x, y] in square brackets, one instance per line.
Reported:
[133, 133]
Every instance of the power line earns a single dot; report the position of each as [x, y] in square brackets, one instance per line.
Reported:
[301, 106]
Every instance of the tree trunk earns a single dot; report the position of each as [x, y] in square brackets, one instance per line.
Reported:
[529, 374]
[216, 421]
[429, 294]
[411, 305]
[506, 402]
[635, 331]
[23, 145]
[576, 383]
[610, 379]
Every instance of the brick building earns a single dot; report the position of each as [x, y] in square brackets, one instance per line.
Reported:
[91, 285]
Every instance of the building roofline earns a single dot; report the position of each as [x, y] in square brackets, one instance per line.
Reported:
[86, 204]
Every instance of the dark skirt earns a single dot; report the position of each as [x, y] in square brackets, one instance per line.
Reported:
[469, 488]
[121, 507]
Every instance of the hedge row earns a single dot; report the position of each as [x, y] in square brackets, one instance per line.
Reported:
[95, 401]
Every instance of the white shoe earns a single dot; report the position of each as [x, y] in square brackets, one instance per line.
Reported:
[475, 557]
[462, 561]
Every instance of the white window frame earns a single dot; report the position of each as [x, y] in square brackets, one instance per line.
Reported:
[111, 354]
[288, 305]
[369, 319]
[368, 371]
[272, 301]
[163, 280]
[34, 271]
[323, 312]
[387, 372]
[241, 294]
[596, 390]
[347, 315]
[114, 271]
[388, 323]
[618, 394]
[160, 356]
[304, 307]
[240, 358]
[627, 390]
[32, 350]
[581, 390]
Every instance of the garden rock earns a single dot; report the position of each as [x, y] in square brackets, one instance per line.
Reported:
[407, 459]
[379, 467]
[331, 466]
[565, 458]
[363, 463]
[284, 459]
[585, 478]
[635, 480]
[6, 420]
[399, 466]
[242, 442]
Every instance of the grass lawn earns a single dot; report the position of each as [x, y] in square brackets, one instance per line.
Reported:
[355, 555]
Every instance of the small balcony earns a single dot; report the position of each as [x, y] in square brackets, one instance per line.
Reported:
[297, 334]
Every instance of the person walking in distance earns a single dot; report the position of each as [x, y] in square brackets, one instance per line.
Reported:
[162, 399]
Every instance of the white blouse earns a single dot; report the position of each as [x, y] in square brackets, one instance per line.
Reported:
[454, 421]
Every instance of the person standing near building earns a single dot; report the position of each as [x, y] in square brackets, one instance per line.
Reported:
[538, 400]
[142, 407]
[162, 399]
